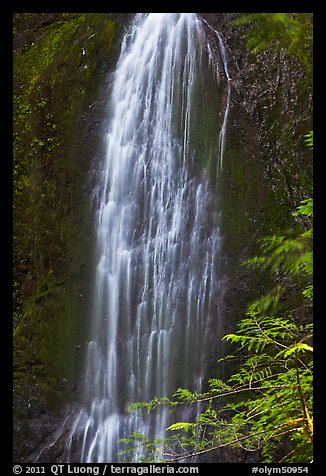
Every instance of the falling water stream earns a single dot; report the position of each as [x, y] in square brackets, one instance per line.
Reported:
[155, 301]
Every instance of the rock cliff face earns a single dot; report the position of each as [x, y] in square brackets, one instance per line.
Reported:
[62, 64]
[267, 168]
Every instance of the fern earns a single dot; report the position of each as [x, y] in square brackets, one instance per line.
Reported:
[308, 292]
[182, 426]
[218, 386]
[304, 209]
[266, 404]
[184, 395]
[299, 347]
[309, 140]
[291, 32]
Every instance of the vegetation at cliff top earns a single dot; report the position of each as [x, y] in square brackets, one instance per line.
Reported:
[290, 31]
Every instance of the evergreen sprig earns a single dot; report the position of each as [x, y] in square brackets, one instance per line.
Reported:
[266, 405]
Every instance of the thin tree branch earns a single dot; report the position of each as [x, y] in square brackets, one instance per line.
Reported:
[234, 442]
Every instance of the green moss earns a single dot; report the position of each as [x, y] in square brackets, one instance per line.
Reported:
[45, 335]
[55, 86]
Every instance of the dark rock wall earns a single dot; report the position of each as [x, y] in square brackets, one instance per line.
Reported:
[61, 63]
[267, 169]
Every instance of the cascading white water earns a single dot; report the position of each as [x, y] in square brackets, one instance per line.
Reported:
[157, 282]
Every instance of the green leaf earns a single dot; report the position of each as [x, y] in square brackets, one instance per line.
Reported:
[184, 394]
[309, 139]
[304, 209]
[300, 347]
[218, 386]
[308, 292]
[181, 425]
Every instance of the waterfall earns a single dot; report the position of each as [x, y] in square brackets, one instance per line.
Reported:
[155, 300]
[224, 58]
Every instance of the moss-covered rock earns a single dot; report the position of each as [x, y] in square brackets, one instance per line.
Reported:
[267, 168]
[61, 62]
